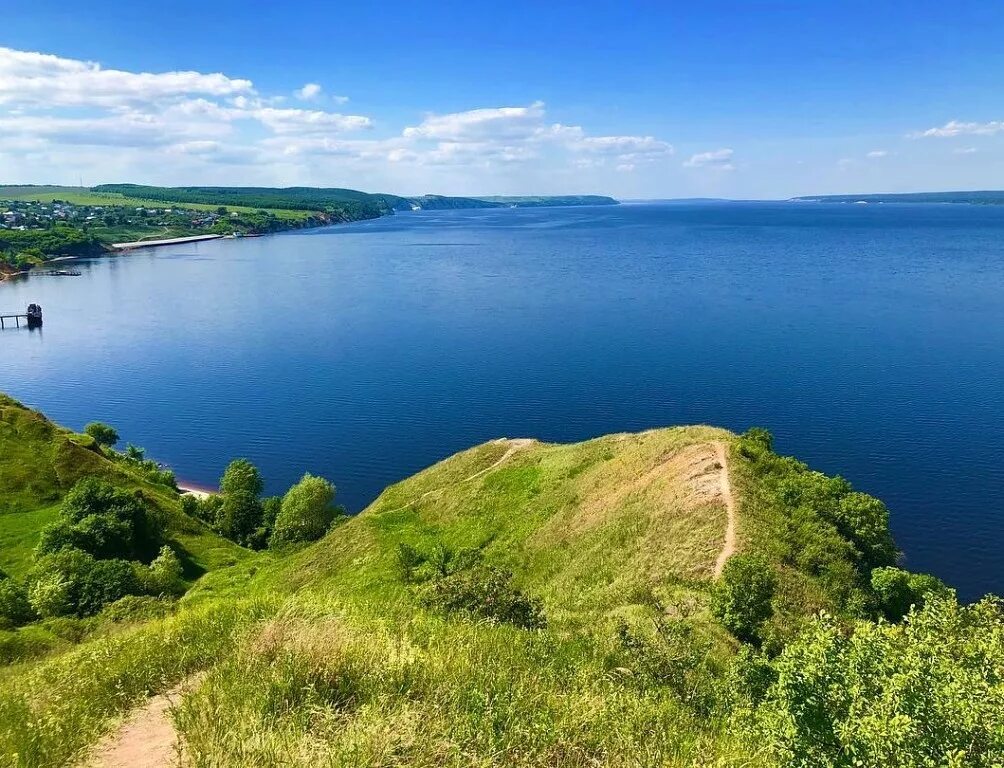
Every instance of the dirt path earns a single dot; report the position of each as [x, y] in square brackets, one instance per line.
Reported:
[515, 445]
[729, 547]
[146, 739]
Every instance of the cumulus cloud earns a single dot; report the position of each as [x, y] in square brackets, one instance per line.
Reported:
[30, 78]
[517, 134]
[956, 128]
[875, 154]
[477, 124]
[720, 159]
[60, 108]
[309, 92]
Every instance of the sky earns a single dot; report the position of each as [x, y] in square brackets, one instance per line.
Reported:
[631, 99]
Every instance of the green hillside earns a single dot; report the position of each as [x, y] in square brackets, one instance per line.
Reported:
[528, 604]
[40, 461]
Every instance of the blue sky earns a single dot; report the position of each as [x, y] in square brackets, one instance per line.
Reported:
[767, 99]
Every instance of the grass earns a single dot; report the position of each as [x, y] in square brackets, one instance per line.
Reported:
[324, 656]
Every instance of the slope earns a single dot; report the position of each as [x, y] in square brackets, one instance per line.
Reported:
[40, 461]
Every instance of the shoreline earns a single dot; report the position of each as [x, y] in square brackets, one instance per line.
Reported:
[200, 492]
[167, 241]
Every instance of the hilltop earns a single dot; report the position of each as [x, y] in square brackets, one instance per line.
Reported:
[636, 599]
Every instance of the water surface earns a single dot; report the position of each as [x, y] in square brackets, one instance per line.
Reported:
[868, 339]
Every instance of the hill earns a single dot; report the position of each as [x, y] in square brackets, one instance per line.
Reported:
[524, 603]
[41, 461]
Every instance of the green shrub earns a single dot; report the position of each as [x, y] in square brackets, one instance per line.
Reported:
[674, 655]
[897, 590]
[15, 609]
[71, 582]
[165, 574]
[741, 598]
[408, 560]
[104, 521]
[49, 595]
[102, 433]
[487, 594]
[928, 692]
[25, 644]
[307, 511]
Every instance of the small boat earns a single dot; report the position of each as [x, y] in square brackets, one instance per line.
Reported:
[34, 314]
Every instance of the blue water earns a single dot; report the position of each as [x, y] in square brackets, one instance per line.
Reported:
[868, 339]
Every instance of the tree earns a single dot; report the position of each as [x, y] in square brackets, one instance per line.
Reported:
[741, 598]
[865, 520]
[103, 434]
[241, 476]
[72, 582]
[307, 511]
[240, 513]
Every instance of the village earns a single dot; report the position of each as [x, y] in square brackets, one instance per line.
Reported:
[32, 214]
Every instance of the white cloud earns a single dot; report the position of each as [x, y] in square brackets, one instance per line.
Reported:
[309, 92]
[173, 127]
[965, 151]
[955, 128]
[308, 120]
[877, 153]
[475, 124]
[720, 159]
[39, 79]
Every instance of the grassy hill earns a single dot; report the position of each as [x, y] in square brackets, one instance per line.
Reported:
[528, 604]
[40, 461]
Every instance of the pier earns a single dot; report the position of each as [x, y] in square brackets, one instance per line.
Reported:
[32, 317]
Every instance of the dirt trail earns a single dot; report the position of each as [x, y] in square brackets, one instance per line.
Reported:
[729, 547]
[146, 738]
[515, 445]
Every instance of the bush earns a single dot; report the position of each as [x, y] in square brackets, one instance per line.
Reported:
[165, 575]
[15, 609]
[306, 512]
[741, 598]
[104, 521]
[71, 582]
[103, 434]
[924, 693]
[898, 590]
[49, 595]
[408, 560]
[487, 594]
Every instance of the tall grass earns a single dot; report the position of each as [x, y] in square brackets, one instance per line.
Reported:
[53, 710]
[340, 690]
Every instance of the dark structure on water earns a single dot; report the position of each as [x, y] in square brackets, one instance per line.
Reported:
[32, 317]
